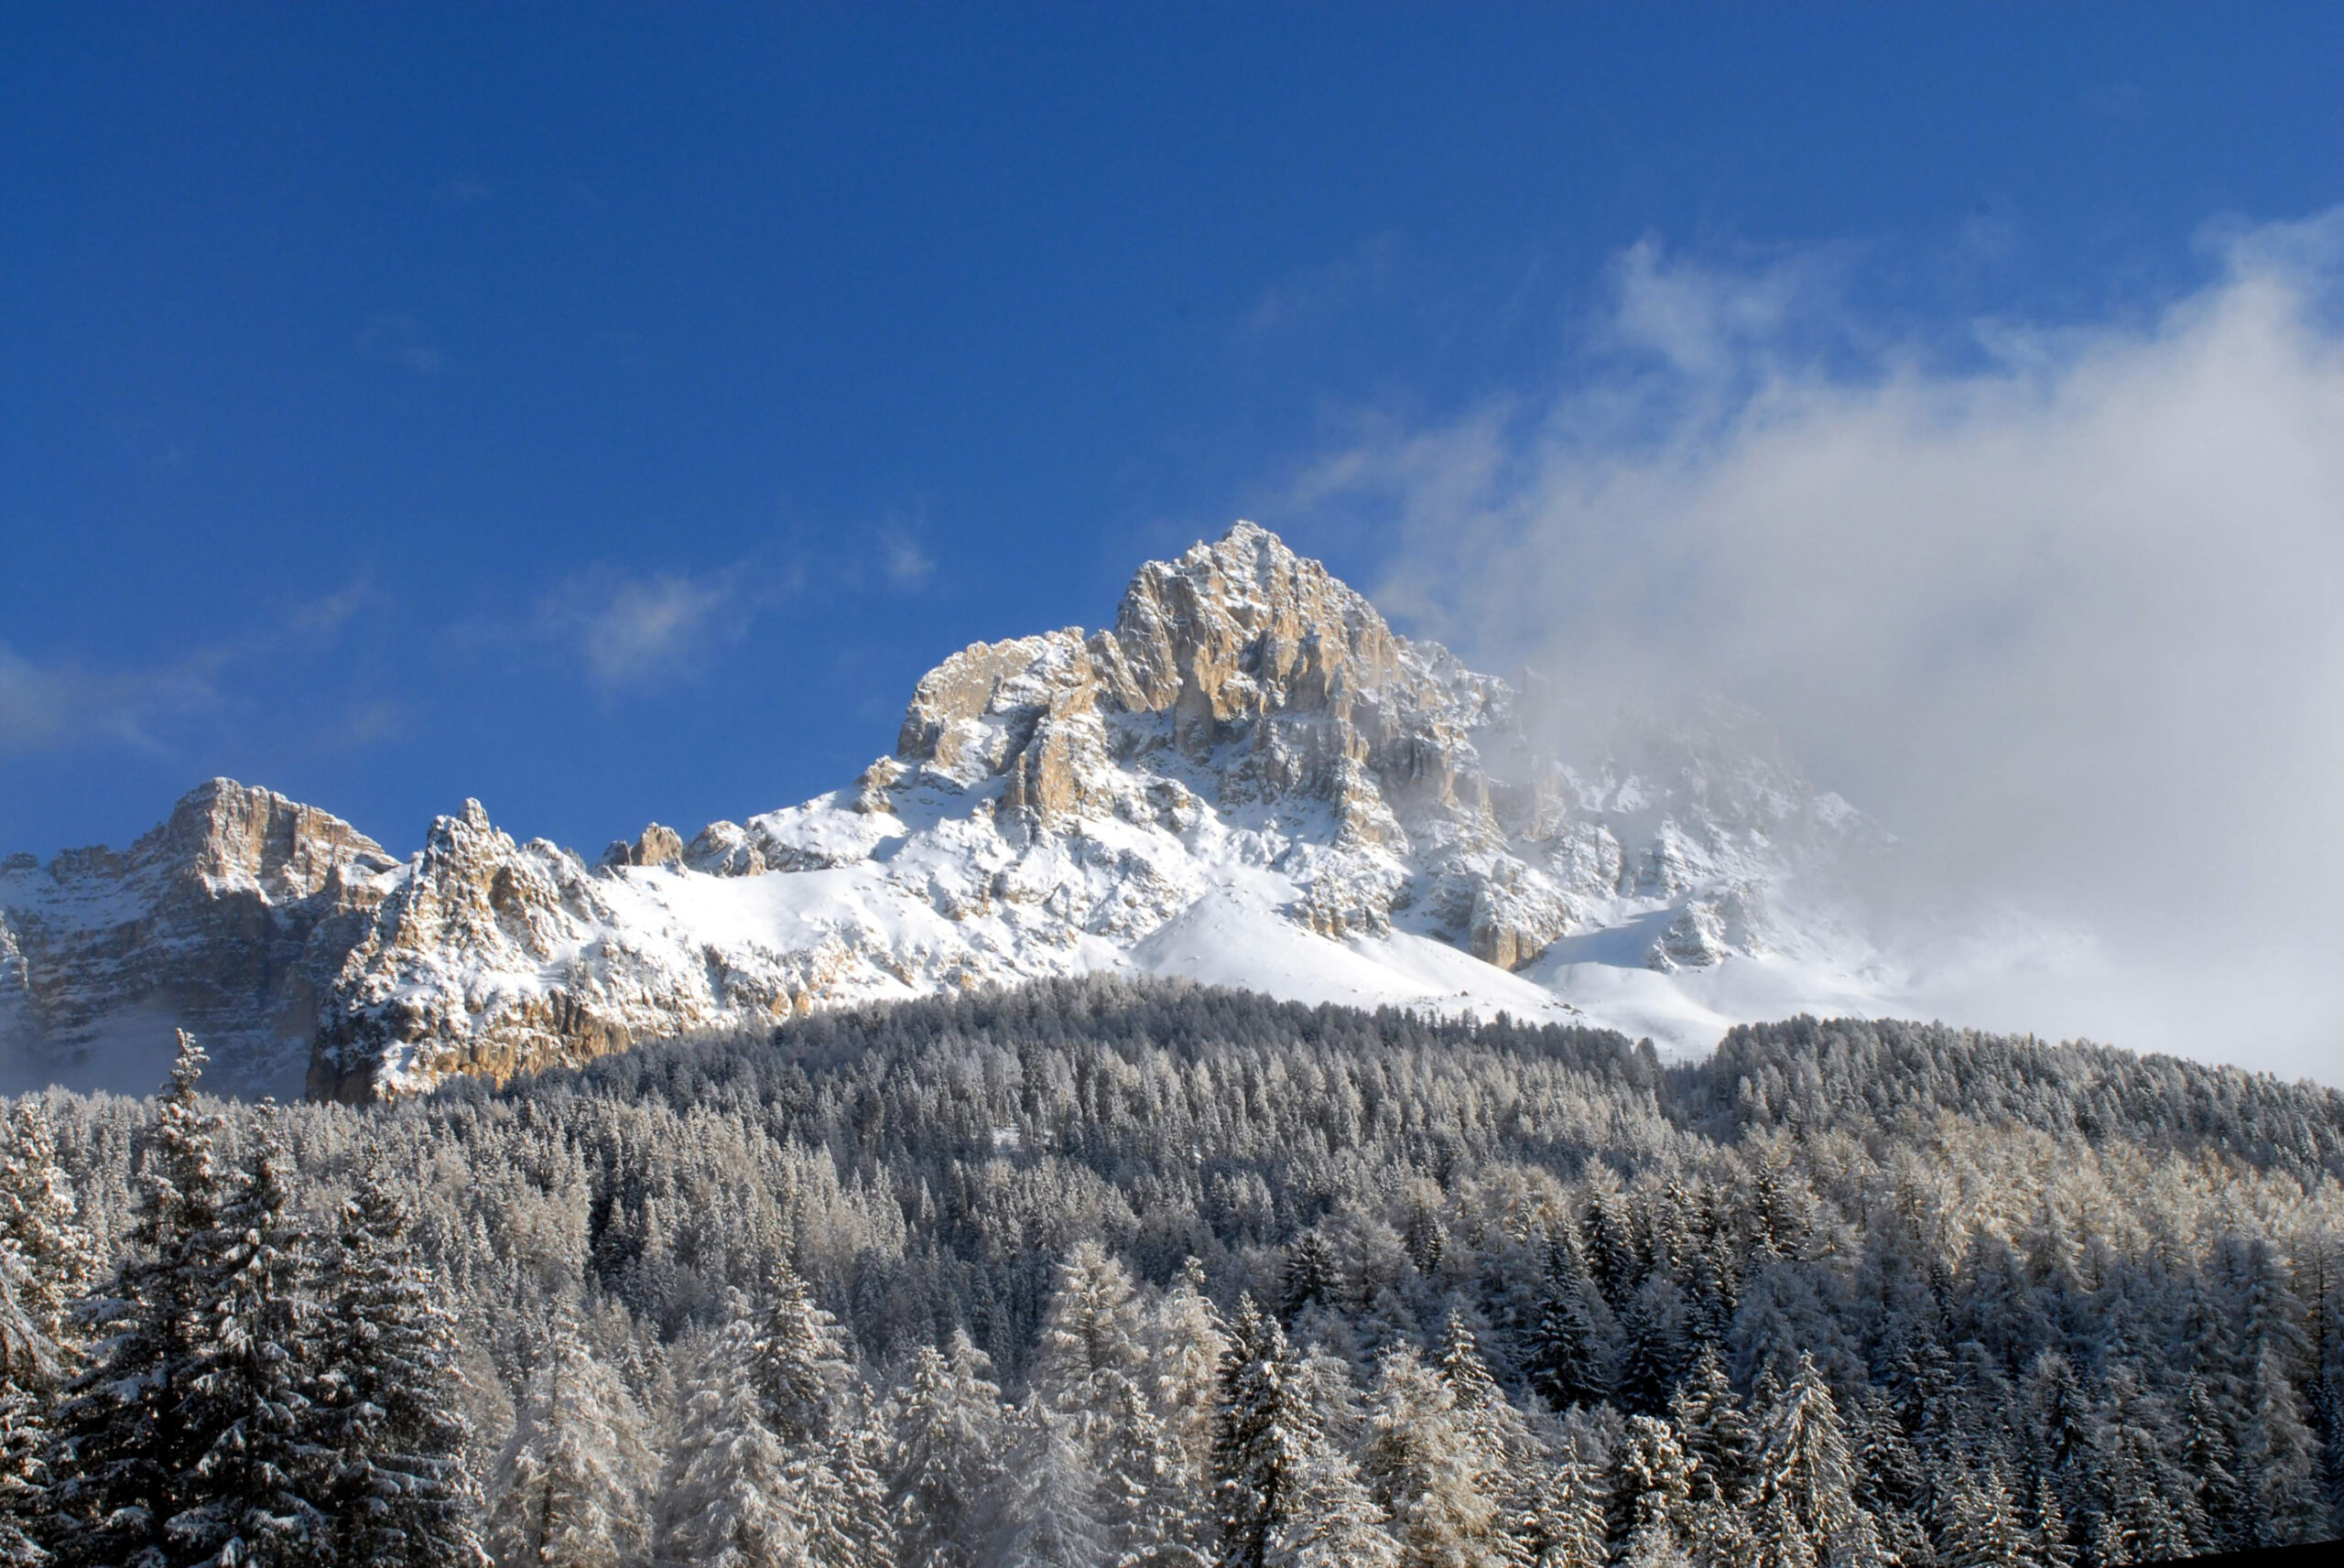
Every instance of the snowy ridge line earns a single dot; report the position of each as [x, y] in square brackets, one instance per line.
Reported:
[1249, 779]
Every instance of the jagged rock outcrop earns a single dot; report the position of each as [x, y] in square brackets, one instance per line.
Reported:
[232, 918]
[1249, 778]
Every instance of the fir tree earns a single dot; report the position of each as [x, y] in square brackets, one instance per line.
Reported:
[1308, 1278]
[2059, 1424]
[1891, 1484]
[1802, 1464]
[1283, 1494]
[40, 1223]
[1568, 1522]
[255, 1488]
[1146, 1486]
[1256, 1441]
[29, 1370]
[1564, 1354]
[1708, 1420]
[2138, 1499]
[1654, 1490]
[1979, 1525]
[1427, 1469]
[799, 1366]
[2206, 1458]
[728, 1500]
[402, 1496]
[567, 1489]
[125, 1450]
[945, 1465]
[2279, 1460]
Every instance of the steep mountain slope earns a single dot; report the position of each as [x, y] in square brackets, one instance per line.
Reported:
[233, 918]
[1249, 779]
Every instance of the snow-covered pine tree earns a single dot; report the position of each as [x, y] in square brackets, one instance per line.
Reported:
[1147, 1492]
[944, 1475]
[1090, 1330]
[858, 1462]
[254, 1493]
[797, 1368]
[1564, 1355]
[1890, 1482]
[1653, 1490]
[1708, 1420]
[1329, 1518]
[1255, 1441]
[1283, 1494]
[40, 1223]
[1306, 1278]
[2206, 1458]
[1658, 1344]
[2138, 1499]
[1979, 1524]
[1052, 1517]
[1803, 1463]
[2279, 1460]
[29, 1370]
[727, 1500]
[568, 1491]
[401, 1496]
[2059, 1430]
[800, 1366]
[1186, 1343]
[123, 1451]
[1427, 1467]
[1510, 1457]
[1568, 1528]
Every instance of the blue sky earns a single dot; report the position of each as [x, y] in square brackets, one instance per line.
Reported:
[609, 413]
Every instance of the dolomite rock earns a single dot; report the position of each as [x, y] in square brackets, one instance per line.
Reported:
[1249, 776]
[232, 918]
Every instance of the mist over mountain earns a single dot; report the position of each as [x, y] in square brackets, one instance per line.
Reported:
[2056, 602]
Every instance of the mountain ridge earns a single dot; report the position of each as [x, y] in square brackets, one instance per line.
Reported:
[1249, 778]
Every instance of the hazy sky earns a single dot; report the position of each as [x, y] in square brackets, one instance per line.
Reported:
[609, 413]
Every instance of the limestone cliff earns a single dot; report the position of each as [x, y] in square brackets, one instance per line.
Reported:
[1250, 777]
[232, 918]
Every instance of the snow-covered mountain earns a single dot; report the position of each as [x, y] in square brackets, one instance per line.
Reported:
[1249, 779]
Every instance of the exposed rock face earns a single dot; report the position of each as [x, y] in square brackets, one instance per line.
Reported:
[1250, 777]
[232, 918]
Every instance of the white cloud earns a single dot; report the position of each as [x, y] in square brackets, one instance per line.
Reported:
[2066, 608]
[633, 631]
[54, 703]
[54, 706]
[906, 564]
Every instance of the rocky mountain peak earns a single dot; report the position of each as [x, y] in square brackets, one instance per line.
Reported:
[229, 836]
[232, 916]
[1248, 777]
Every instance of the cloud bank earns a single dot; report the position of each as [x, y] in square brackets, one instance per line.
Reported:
[2062, 606]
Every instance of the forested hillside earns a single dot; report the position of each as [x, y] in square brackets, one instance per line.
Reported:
[1091, 1273]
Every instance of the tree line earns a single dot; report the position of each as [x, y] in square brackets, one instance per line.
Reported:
[1100, 1273]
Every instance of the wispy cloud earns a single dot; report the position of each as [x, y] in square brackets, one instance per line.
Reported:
[632, 629]
[59, 704]
[2059, 603]
[905, 562]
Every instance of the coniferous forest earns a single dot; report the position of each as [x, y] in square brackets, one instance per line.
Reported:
[1092, 1273]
